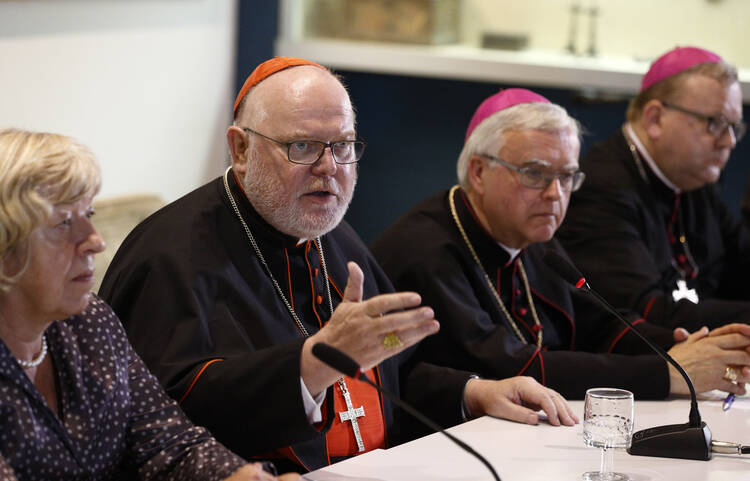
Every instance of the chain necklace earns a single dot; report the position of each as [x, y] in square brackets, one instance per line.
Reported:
[288, 305]
[297, 320]
[491, 287]
[35, 362]
[682, 238]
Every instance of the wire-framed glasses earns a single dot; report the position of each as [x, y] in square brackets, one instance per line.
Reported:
[308, 152]
[537, 178]
[715, 126]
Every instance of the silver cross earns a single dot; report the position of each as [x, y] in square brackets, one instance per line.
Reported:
[352, 414]
[682, 292]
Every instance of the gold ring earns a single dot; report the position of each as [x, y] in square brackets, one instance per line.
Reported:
[391, 341]
[730, 374]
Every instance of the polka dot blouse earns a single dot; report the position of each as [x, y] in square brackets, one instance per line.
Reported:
[115, 421]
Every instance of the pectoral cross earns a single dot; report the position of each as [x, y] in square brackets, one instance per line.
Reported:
[682, 292]
[352, 414]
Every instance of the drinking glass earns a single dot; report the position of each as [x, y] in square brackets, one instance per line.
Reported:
[607, 424]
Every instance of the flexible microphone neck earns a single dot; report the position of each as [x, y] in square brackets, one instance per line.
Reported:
[682, 441]
[339, 361]
[695, 416]
[568, 272]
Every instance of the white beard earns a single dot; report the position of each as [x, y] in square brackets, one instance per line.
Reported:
[275, 204]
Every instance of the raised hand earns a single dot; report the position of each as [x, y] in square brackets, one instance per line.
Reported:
[360, 327]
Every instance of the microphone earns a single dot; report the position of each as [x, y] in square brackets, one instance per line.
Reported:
[683, 441]
[341, 362]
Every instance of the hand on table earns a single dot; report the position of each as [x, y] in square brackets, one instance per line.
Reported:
[254, 472]
[706, 355]
[517, 399]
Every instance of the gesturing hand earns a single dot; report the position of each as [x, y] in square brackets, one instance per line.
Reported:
[358, 328]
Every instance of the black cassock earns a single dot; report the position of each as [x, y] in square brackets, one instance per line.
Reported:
[617, 232]
[203, 314]
[583, 346]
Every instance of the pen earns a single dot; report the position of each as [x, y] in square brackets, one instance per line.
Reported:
[728, 402]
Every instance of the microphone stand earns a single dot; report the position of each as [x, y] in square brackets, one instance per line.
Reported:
[342, 363]
[682, 441]
[426, 421]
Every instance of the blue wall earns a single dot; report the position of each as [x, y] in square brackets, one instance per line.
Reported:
[257, 26]
[414, 128]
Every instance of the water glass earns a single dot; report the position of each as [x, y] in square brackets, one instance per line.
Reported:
[607, 424]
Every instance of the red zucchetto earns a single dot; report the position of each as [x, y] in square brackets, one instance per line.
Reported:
[266, 69]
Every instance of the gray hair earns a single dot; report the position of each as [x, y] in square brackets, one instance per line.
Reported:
[489, 136]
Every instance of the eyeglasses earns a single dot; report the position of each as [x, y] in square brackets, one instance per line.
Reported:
[307, 152]
[537, 178]
[715, 126]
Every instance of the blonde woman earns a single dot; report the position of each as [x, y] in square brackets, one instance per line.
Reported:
[75, 401]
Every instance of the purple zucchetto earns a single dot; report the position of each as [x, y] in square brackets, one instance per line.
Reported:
[501, 101]
[676, 61]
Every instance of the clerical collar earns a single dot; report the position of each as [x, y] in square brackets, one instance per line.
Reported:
[631, 135]
[511, 251]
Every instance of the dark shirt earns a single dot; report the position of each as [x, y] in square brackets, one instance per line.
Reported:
[115, 420]
[200, 308]
[582, 347]
[745, 206]
[616, 231]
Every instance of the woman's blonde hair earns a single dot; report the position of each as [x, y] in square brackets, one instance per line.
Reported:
[38, 171]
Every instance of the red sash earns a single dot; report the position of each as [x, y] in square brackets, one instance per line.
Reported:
[340, 438]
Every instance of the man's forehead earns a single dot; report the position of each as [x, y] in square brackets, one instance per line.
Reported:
[297, 81]
[298, 92]
[304, 120]
[702, 90]
[526, 142]
[569, 164]
[553, 150]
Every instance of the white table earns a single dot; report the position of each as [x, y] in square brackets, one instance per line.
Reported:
[544, 452]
